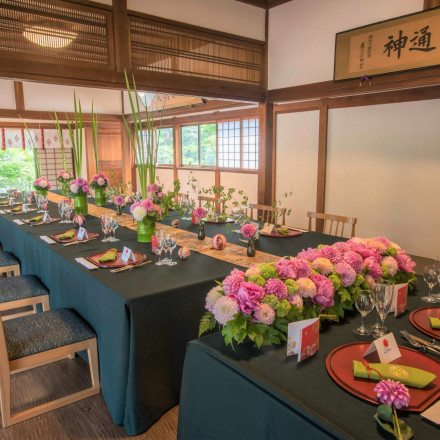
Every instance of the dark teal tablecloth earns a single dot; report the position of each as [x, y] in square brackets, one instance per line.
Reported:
[263, 395]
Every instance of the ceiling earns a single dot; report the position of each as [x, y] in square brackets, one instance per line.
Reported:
[265, 4]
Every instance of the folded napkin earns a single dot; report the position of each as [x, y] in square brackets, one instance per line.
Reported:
[18, 209]
[4, 202]
[410, 376]
[283, 231]
[38, 218]
[110, 255]
[435, 323]
[67, 235]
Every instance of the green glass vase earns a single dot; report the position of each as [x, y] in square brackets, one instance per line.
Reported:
[65, 189]
[145, 230]
[42, 191]
[81, 206]
[100, 199]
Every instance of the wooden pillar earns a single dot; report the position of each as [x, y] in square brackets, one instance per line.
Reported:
[429, 4]
[322, 160]
[19, 96]
[265, 169]
[121, 35]
[176, 151]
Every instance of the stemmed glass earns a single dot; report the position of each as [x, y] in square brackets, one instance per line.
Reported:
[62, 210]
[186, 207]
[114, 224]
[68, 211]
[160, 242]
[105, 227]
[170, 241]
[431, 277]
[44, 204]
[39, 198]
[383, 296]
[364, 303]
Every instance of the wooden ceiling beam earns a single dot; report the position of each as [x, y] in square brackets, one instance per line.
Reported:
[47, 116]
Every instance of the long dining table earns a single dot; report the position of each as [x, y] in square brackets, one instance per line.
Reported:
[143, 318]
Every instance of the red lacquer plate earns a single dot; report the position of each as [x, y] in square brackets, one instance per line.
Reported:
[20, 212]
[75, 238]
[419, 319]
[276, 234]
[52, 220]
[140, 258]
[339, 365]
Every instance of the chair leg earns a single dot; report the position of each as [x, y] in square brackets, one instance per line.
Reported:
[92, 352]
[45, 304]
[5, 399]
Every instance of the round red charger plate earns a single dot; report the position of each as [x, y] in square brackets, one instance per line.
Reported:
[419, 319]
[276, 234]
[339, 364]
[139, 258]
[75, 238]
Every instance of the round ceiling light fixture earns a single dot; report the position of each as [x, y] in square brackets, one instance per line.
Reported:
[49, 37]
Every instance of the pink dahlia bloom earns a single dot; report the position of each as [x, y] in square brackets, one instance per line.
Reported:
[232, 282]
[341, 246]
[404, 261]
[134, 205]
[302, 268]
[265, 314]
[285, 268]
[248, 230]
[378, 246]
[354, 260]
[276, 287]
[249, 297]
[95, 177]
[212, 297]
[347, 273]
[373, 266]
[325, 291]
[296, 300]
[224, 309]
[119, 200]
[306, 287]
[324, 265]
[74, 187]
[331, 254]
[391, 264]
[392, 393]
[147, 204]
[80, 181]
[253, 270]
[199, 213]
[383, 240]
[361, 248]
[311, 254]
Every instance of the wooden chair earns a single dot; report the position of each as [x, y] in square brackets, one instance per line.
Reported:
[39, 339]
[180, 197]
[334, 223]
[9, 265]
[268, 214]
[219, 206]
[22, 291]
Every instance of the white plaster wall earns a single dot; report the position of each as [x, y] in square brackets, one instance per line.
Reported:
[222, 15]
[296, 163]
[383, 165]
[7, 95]
[302, 35]
[49, 97]
[205, 178]
[241, 181]
[166, 178]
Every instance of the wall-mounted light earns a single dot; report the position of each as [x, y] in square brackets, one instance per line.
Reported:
[49, 37]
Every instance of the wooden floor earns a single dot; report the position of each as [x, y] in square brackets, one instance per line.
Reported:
[88, 419]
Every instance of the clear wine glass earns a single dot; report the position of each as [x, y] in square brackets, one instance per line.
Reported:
[171, 244]
[431, 277]
[62, 210]
[68, 211]
[160, 240]
[383, 296]
[44, 204]
[364, 303]
[236, 216]
[105, 227]
[114, 224]
[38, 200]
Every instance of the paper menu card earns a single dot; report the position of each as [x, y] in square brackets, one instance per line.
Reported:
[86, 263]
[433, 413]
[384, 348]
[400, 298]
[303, 338]
[127, 254]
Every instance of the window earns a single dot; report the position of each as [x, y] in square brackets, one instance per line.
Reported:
[164, 144]
[198, 145]
[229, 144]
[250, 143]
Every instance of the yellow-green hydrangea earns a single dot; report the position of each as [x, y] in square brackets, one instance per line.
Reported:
[336, 281]
[272, 300]
[268, 270]
[283, 308]
[257, 279]
[391, 250]
[292, 288]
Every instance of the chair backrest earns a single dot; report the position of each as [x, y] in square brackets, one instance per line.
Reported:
[333, 224]
[216, 203]
[180, 197]
[268, 214]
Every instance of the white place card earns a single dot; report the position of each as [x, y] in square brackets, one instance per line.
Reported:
[303, 338]
[268, 228]
[400, 298]
[2, 212]
[433, 413]
[385, 347]
[86, 263]
[18, 222]
[82, 233]
[46, 217]
[127, 254]
[47, 239]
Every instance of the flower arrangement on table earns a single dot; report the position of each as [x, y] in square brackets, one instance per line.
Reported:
[64, 176]
[99, 183]
[199, 214]
[120, 201]
[79, 187]
[259, 304]
[146, 213]
[42, 185]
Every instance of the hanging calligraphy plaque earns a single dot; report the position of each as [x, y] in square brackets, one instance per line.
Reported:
[403, 43]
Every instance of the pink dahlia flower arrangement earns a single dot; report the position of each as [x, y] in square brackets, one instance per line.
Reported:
[99, 181]
[260, 302]
[79, 187]
[64, 176]
[144, 208]
[248, 230]
[155, 193]
[199, 213]
[42, 183]
[119, 201]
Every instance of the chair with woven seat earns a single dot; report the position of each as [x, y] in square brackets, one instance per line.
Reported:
[9, 265]
[21, 291]
[269, 214]
[219, 205]
[333, 224]
[38, 339]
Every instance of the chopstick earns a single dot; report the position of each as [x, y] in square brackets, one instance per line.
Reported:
[79, 241]
[129, 266]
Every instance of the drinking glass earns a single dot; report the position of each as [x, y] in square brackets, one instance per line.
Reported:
[114, 224]
[105, 227]
[383, 296]
[186, 207]
[431, 277]
[68, 211]
[44, 204]
[364, 303]
[236, 216]
[38, 200]
[160, 241]
[62, 210]
[170, 241]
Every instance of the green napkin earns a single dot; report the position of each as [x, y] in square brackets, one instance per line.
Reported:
[4, 202]
[110, 255]
[18, 209]
[435, 323]
[67, 235]
[410, 376]
[38, 218]
[283, 231]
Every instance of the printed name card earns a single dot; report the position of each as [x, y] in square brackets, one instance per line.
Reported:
[153, 245]
[46, 217]
[400, 298]
[86, 263]
[433, 413]
[47, 239]
[303, 338]
[82, 233]
[127, 254]
[385, 348]
[268, 228]
[19, 222]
